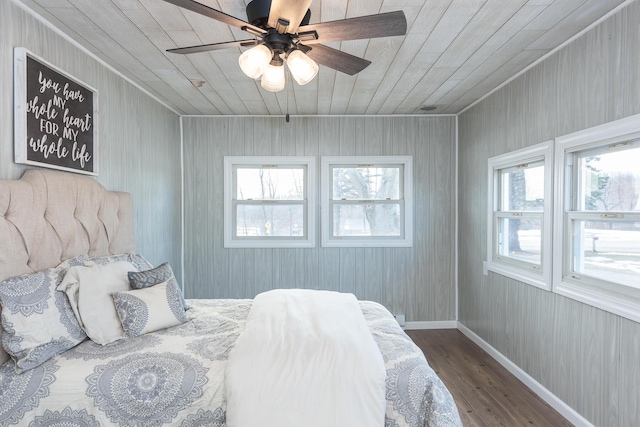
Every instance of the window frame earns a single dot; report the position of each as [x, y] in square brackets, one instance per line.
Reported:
[539, 276]
[607, 295]
[405, 201]
[231, 240]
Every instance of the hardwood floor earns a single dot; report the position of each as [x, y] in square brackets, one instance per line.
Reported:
[485, 392]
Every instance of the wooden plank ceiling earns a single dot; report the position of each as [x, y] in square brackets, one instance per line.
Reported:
[455, 52]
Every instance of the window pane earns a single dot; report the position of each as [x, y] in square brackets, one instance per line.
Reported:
[608, 250]
[610, 181]
[366, 183]
[270, 220]
[522, 189]
[270, 184]
[520, 239]
[366, 220]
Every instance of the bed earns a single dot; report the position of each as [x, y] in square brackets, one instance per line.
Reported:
[53, 223]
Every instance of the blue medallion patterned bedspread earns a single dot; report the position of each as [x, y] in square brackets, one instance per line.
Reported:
[175, 377]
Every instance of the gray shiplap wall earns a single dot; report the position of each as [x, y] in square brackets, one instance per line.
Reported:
[139, 138]
[585, 356]
[418, 281]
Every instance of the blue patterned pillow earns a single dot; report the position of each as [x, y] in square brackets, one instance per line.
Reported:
[148, 278]
[149, 309]
[37, 320]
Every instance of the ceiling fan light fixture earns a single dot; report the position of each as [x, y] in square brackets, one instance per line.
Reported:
[284, 29]
[303, 69]
[254, 61]
[273, 77]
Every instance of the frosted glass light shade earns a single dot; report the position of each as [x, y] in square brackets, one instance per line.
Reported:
[255, 60]
[273, 78]
[303, 69]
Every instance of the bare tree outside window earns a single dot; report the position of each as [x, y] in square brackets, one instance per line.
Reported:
[519, 205]
[610, 190]
[371, 196]
[522, 192]
[609, 187]
[269, 201]
[367, 201]
[517, 197]
[261, 189]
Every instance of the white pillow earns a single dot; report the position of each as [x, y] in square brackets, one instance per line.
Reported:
[150, 309]
[89, 291]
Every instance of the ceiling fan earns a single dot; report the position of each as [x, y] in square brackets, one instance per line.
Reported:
[282, 34]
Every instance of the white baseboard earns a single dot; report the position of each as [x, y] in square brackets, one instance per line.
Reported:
[564, 409]
[439, 324]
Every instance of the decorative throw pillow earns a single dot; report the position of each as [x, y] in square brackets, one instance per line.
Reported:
[137, 260]
[89, 291]
[147, 278]
[37, 320]
[150, 309]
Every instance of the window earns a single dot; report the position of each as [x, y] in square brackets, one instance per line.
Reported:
[598, 229]
[519, 219]
[269, 202]
[367, 201]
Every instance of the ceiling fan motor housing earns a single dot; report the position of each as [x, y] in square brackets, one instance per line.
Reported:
[258, 13]
[278, 43]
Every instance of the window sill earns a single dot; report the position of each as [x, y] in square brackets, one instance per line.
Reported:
[265, 244]
[372, 243]
[521, 275]
[625, 306]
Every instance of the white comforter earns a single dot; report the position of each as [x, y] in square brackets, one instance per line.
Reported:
[305, 358]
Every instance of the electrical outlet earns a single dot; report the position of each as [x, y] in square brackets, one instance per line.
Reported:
[400, 319]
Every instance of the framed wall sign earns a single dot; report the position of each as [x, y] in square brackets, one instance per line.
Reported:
[56, 117]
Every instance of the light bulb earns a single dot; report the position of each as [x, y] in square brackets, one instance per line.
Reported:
[303, 69]
[254, 61]
[273, 77]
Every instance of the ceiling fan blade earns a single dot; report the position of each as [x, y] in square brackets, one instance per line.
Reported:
[336, 59]
[205, 10]
[363, 27]
[289, 10]
[213, 46]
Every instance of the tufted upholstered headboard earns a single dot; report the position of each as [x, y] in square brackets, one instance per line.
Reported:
[49, 216]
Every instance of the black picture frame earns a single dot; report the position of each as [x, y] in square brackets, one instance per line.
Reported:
[56, 117]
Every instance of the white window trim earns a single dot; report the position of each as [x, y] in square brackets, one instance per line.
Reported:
[367, 242]
[280, 242]
[536, 277]
[598, 295]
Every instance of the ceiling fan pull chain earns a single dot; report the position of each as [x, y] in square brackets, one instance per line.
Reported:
[286, 117]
